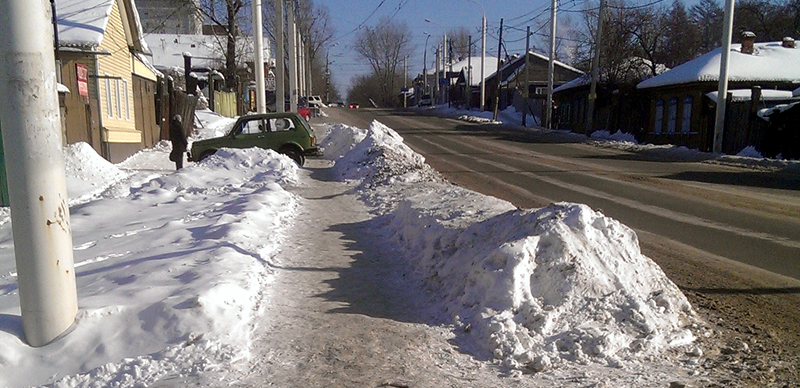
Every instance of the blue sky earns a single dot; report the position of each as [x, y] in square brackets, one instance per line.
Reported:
[347, 15]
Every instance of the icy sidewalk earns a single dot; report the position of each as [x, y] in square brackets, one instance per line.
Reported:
[344, 308]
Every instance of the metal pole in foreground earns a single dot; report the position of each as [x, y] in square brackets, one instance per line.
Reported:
[551, 65]
[258, 63]
[292, 32]
[280, 62]
[31, 132]
[719, 122]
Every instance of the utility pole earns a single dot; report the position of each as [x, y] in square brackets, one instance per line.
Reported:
[722, 94]
[280, 65]
[301, 65]
[483, 62]
[405, 82]
[527, 93]
[425, 66]
[469, 73]
[327, 77]
[595, 70]
[499, 78]
[292, 58]
[436, 78]
[309, 81]
[551, 66]
[258, 62]
[40, 220]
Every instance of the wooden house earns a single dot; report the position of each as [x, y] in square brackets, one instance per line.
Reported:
[100, 48]
[617, 104]
[681, 103]
[511, 79]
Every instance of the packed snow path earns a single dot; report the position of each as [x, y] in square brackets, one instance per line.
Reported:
[341, 311]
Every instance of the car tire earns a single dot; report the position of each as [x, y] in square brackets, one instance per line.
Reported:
[295, 155]
[206, 154]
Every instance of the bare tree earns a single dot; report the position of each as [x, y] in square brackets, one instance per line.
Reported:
[384, 47]
[226, 17]
[458, 40]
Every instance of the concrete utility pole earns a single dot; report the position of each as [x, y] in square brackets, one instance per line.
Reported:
[309, 83]
[722, 93]
[469, 73]
[483, 62]
[436, 78]
[551, 65]
[280, 61]
[595, 71]
[425, 65]
[499, 78]
[292, 58]
[258, 62]
[40, 221]
[405, 82]
[301, 65]
[527, 92]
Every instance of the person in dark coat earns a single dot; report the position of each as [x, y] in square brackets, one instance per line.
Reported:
[178, 139]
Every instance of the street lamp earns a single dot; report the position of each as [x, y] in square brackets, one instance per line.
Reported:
[483, 53]
[444, 55]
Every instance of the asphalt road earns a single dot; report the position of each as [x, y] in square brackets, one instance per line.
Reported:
[714, 210]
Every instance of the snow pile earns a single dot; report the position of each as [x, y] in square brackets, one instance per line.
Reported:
[478, 119]
[87, 173]
[532, 288]
[750, 152]
[171, 274]
[618, 136]
[380, 158]
[340, 139]
[153, 159]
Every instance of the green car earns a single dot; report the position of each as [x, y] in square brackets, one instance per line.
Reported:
[287, 133]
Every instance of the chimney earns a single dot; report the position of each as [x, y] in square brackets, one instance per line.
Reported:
[788, 42]
[748, 38]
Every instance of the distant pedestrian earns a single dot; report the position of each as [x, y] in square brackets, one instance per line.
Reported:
[178, 139]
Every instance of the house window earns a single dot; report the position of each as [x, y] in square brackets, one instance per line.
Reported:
[541, 90]
[686, 119]
[117, 101]
[109, 108]
[673, 115]
[659, 122]
[125, 99]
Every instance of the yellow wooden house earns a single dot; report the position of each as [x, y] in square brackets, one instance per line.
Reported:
[111, 105]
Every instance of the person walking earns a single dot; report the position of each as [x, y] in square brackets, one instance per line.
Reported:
[179, 142]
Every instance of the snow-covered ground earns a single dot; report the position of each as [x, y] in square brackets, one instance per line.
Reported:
[172, 267]
[748, 157]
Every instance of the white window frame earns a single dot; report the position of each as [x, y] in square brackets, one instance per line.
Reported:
[659, 119]
[686, 118]
[118, 103]
[126, 99]
[109, 107]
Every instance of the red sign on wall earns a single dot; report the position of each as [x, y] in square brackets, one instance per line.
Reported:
[83, 79]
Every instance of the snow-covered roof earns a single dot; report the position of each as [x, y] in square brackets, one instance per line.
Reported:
[490, 65]
[206, 50]
[82, 22]
[770, 62]
[746, 95]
